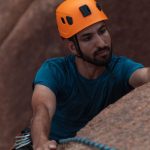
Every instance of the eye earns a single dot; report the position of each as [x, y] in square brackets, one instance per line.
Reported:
[102, 30]
[87, 38]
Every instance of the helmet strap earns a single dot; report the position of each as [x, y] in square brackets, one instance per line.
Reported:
[77, 46]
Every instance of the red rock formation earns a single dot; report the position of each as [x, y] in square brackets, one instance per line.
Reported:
[25, 41]
[124, 125]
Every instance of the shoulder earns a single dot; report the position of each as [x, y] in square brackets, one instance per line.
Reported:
[53, 73]
[119, 59]
[123, 62]
[58, 63]
[124, 67]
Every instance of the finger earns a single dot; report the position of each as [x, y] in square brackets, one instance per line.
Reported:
[54, 142]
[52, 145]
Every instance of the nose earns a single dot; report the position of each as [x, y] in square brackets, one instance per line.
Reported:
[99, 41]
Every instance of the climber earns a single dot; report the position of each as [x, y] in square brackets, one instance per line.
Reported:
[69, 91]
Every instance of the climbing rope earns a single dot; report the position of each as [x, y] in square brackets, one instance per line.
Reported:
[87, 142]
[25, 140]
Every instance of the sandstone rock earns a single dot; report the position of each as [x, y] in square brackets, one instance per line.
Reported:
[124, 125]
[11, 11]
[23, 47]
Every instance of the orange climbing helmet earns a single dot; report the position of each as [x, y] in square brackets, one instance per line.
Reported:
[75, 15]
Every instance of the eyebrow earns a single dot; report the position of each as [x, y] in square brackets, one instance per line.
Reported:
[90, 33]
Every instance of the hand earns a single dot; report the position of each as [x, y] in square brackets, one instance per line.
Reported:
[48, 145]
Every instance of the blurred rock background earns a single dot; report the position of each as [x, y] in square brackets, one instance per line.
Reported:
[28, 36]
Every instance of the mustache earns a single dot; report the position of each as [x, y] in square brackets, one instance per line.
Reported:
[106, 48]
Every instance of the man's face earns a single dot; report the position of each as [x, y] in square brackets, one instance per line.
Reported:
[95, 44]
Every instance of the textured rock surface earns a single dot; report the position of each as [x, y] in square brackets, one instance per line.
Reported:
[28, 36]
[124, 125]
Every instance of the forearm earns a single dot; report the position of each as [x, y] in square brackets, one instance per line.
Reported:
[40, 125]
[140, 77]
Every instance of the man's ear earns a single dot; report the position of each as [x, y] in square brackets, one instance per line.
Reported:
[71, 47]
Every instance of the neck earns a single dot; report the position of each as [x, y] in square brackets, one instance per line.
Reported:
[88, 70]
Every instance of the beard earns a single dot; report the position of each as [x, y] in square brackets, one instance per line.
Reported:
[96, 60]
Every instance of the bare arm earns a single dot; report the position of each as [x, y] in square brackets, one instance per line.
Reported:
[43, 105]
[140, 77]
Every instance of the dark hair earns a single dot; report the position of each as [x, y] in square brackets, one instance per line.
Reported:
[71, 38]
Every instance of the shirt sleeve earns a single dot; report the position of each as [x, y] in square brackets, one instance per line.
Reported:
[129, 67]
[48, 75]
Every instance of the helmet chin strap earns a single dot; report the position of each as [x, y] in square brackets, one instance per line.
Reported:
[77, 46]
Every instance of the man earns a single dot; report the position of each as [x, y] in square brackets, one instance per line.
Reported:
[69, 91]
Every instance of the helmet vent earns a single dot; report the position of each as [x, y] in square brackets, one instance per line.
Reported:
[85, 10]
[63, 20]
[69, 20]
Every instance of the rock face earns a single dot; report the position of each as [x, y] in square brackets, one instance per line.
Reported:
[124, 125]
[28, 36]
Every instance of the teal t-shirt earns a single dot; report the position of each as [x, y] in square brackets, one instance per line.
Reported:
[78, 98]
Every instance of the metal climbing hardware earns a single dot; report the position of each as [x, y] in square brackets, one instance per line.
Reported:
[24, 140]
